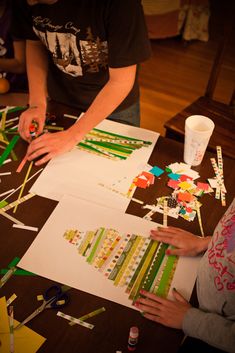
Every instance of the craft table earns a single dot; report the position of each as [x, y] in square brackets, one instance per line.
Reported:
[111, 327]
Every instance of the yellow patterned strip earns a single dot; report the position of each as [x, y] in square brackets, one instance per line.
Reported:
[23, 185]
[106, 256]
[113, 260]
[134, 262]
[220, 165]
[199, 219]
[136, 287]
[127, 261]
[87, 316]
[17, 202]
[11, 299]
[165, 211]
[76, 321]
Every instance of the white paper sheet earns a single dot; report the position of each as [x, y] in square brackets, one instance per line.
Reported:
[79, 173]
[51, 256]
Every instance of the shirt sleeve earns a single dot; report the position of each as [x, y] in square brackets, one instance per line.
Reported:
[128, 42]
[211, 328]
[21, 27]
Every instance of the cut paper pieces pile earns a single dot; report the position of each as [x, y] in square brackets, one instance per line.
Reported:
[110, 145]
[25, 340]
[183, 201]
[131, 261]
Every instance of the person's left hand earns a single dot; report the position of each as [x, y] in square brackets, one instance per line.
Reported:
[164, 311]
[50, 145]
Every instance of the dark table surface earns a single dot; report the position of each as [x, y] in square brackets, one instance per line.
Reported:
[111, 327]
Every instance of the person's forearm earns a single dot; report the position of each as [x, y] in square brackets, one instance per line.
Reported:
[37, 66]
[11, 65]
[211, 328]
[108, 99]
[203, 244]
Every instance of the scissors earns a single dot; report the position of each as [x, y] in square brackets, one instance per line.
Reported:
[54, 298]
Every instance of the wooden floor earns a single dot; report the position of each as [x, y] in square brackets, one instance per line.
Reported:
[176, 75]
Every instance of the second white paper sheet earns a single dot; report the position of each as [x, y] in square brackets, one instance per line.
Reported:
[52, 257]
[80, 173]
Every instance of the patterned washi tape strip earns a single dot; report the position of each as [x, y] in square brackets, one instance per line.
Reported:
[107, 152]
[122, 257]
[97, 245]
[97, 132]
[199, 218]
[218, 178]
[137, 262]
[17, 202]
[23, 185]
[11, 299]
[167, 276]
[127, 260]
[87, 316]
[155, 266]
[113, 260]
[87, 240]
[76, 321]
[143, 272]
[220, 165]
[109, 237]
[7, 276]
[165, 211]
[134, 262]
[84, 148]
[108, 254]
[135, 275]
[125, 142]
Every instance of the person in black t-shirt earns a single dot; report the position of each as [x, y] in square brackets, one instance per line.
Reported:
[84, 54]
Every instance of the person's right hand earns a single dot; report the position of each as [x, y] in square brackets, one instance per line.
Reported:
[184, 243]
[36, 114]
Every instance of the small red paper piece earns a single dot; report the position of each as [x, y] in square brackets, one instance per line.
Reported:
[203, 186]
[173, 184]
[184, 177]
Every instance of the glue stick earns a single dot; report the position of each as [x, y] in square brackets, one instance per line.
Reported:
[133, 338]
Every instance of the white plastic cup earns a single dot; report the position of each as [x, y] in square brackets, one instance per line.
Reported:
[198, 130]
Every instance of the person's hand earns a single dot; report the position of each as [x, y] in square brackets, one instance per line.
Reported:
[36, 114]
[50, 145]
[166, 312]
[185, 243]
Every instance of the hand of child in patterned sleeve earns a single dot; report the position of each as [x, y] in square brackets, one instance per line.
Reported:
[164, 311]
[184, 243]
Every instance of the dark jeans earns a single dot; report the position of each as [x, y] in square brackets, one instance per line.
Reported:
[129, 116]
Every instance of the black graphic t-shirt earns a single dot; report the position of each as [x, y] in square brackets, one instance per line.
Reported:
[84, 38]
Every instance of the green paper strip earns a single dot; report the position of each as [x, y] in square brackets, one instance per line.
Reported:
[3, 203]
[155, 266]
[143, 272]
[125, 137]
[166, 276]
[14, 262]
[18, 272]
[8, 149]
[96, 245]
[131, 283]
[121, 261]
[15, 109]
